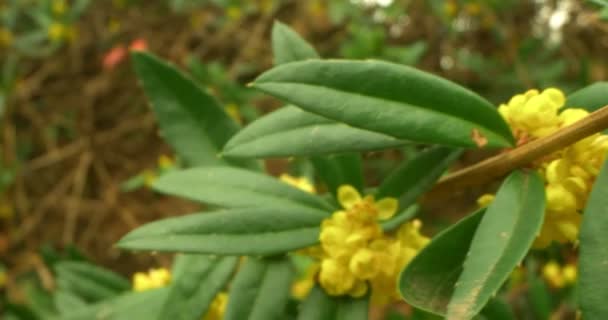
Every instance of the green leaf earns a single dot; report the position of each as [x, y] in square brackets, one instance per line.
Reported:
[590, 98]
[400, 218]
[497, 309]
[290, 131]
[352, 309]
[593, 260]
[89, 281]
[254, 231]
[318, 306]
[288, 46]
[200, 279]
[388, 98]
[66, 301]
[129, 306]
[502, 239]
[260, 290]
[416, 176]
[238, 188]
[337, 170]
[428, 281]
[191, 120]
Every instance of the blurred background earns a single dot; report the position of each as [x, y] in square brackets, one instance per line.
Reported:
[79, 145]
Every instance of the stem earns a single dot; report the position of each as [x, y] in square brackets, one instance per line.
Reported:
[499, 165]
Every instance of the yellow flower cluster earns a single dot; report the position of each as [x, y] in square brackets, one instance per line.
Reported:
[357, 255]
[155, 278]
[217, 308]
[558, 276]
[299, 182]
[568, 173]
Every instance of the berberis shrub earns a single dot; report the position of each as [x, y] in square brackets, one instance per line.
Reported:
[268, 248]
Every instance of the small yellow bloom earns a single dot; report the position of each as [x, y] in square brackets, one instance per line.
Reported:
[6, 37]
[155, 278]
[56, 31]
[485, 200]
[234, 112]
[217, 308]
[149, 178]
[165, 162]
[59, 7]
[299, 182]
[234, 13]
[558, 276]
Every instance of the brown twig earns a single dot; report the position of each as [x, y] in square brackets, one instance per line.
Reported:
[80, 179]
[503, 163]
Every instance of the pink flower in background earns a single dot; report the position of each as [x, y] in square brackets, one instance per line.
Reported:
[113, 57]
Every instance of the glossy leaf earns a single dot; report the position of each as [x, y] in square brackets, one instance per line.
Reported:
[255, 231]
[428, 281]
[590, 98]
[89, 281]
[260, 290]
[200, 279]
[290, 131]
[288, 46]
[191, 120]
[502, 239]
[238, 188]
[401, 101]
[318, 306]
[593, 260]
[129, 306]
[337, 170]
[416, 176]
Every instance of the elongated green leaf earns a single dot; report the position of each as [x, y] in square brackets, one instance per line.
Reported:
[290, 131]
[238, 188]
[428, 281]
[591, 97]
[318, 306]
[89, 281]
[288, 46]
[338, 170]
[129, 306]
[260, 290]
[388, 98]
[593, 261]
[201, 278]
[66, 302]
[502, 239]
[255, 231]
[400, 218]
[352, 309]
[497, 309]
[191, 120]
[414, 177]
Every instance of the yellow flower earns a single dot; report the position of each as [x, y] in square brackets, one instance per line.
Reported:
[301, 288]
[56, 31]
[558, 276]
[149, 177]
[299, 182]
[568, 173]
[6, 37]
[234, 13]
[155, 278]
[217, 308]
[234, 113]
[59, 7]
[356, 254]
[165, 162]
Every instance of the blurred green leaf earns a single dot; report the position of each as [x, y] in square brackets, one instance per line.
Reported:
[590, 98]
[592, 289]
[338, 170]
[89, 281]
[288, 46]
